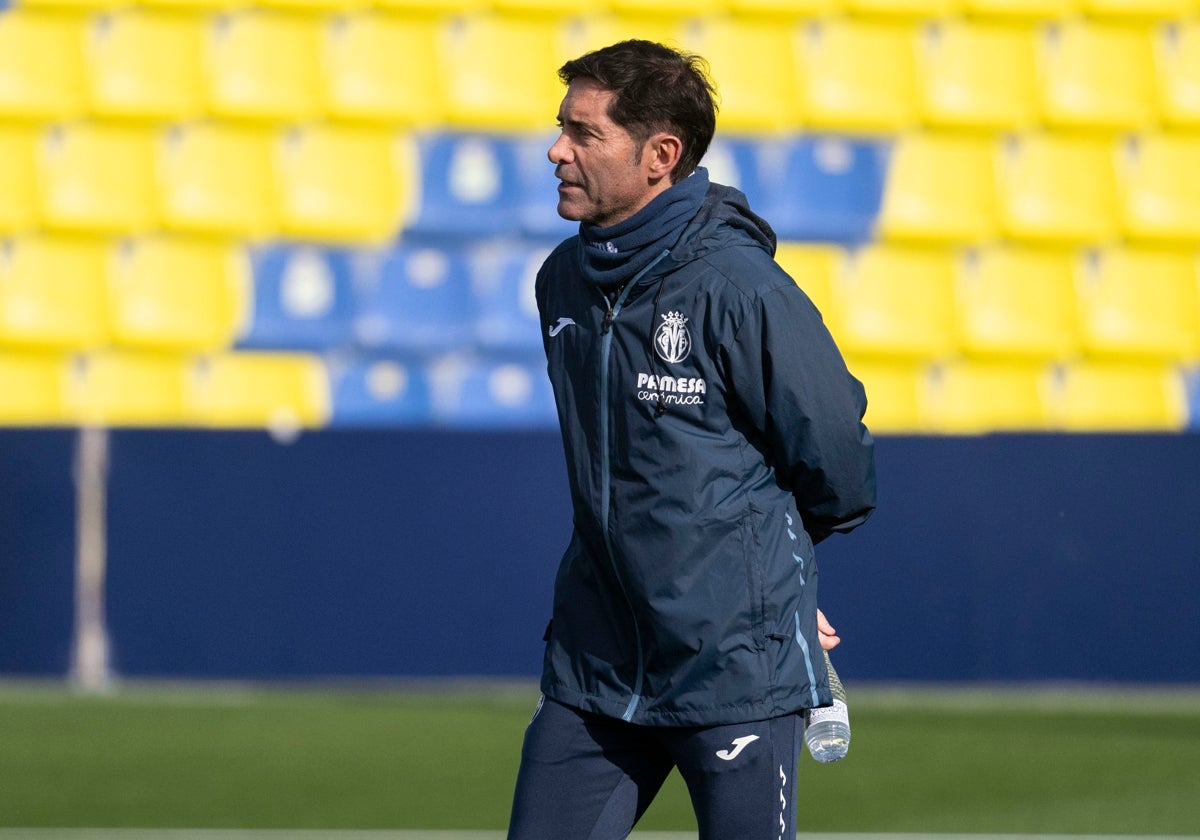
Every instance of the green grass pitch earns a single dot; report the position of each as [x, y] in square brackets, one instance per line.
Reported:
[1070, 761]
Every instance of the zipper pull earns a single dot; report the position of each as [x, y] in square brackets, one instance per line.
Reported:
[611, 302]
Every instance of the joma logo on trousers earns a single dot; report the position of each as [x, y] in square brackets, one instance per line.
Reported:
[739, 744]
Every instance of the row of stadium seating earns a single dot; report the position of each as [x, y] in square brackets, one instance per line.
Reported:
[323, 182]
[880, 300]
[308, 212]
[1010, 10]
[495, 71]
[289, 392]
[339, 183]
[946, 340]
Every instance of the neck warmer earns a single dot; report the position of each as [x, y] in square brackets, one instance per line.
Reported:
[612, 255]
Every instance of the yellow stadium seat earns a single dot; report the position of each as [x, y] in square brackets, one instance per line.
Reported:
[971, 397]
[119, 388]
[758, 95]
[600, 29]
[345, 184]
[384, 68]
[1178, 54]
[34, 389]
[262, 65]
[145, 64]
[18, 167]
[1161, 189]
[894, 391]
[1096, 76]
[432, 7]
[52, 292]
[562, 9]
[672, 8]
[98, 178]
[205, 6]
[917, 9]
[219, 178]
[814, 267]
[1021, 10]
[895, 301]
[940, 188]
[83, 7]
[320, 7]
[489, 57]
[41, 65]
[280, 391]
[1139, 10]
[1119, 397]
[977, 76]
[1018, 304]
[1056, 188]
[1141, 303]
[178, 294]
[791, 10]
[858, 75]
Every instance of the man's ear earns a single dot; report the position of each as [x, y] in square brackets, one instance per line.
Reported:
[662, 152]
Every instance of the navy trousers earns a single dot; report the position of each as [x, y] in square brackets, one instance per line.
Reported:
[589, 777]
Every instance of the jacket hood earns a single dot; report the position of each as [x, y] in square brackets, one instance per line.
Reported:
[724, 220]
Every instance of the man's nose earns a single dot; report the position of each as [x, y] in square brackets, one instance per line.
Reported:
[558, 152]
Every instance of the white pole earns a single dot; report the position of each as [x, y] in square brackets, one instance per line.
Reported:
[90, 669]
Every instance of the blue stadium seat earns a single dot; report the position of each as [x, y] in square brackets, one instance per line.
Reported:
[493, 393]
[731, 160]
[1192, 378]
[373, 391]
[469, 186]
[418, 299]
[816, 187]
[303, 299]
[506, 316]
[538, 190]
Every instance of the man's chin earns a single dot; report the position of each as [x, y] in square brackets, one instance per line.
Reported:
[569, 212]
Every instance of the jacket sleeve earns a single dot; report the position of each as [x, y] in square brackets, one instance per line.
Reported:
[805, 409]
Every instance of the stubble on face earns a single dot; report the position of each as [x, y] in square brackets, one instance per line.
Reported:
[598, 163]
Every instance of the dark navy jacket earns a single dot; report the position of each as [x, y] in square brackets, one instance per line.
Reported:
[688, 593]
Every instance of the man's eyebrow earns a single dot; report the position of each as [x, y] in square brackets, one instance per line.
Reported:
[580, 125]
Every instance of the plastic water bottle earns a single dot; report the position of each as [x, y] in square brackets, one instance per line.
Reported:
[827, 730]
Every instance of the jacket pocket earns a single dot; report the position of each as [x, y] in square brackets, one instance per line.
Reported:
[751, 527]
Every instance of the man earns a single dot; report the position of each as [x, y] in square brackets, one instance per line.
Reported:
[712, 437]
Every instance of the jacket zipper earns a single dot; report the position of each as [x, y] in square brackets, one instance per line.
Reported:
[606, 336]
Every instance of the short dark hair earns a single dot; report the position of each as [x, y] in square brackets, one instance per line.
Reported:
[657, 89]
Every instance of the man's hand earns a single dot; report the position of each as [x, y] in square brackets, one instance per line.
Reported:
[825, 632]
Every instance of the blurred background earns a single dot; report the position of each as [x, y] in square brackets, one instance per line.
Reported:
[272, 395]
[276, 438]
